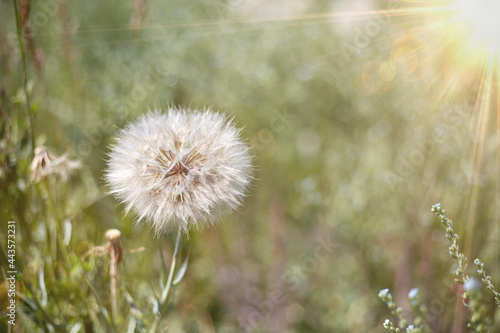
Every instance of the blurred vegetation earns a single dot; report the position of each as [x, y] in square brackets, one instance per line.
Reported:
[353, 143]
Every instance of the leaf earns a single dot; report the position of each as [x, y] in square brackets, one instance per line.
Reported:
[67, 231]
[43, 289]
[181, 271]
[76, 328]
[167, 309]
[131, 325]
[156, 306]
[164, 270]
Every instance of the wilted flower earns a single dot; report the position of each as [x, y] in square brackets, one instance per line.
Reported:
[179, 167]
[45, 164]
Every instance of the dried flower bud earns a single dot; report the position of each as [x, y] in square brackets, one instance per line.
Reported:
[113, 235]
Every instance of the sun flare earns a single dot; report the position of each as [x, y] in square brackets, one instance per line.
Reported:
[483, 21]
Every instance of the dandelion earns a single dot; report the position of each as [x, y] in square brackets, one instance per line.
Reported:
[179, 168]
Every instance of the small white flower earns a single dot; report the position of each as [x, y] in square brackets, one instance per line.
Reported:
[383, 293]
[471, 284]
[413, 293]
[179, 167]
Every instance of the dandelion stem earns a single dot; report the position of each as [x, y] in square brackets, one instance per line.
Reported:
[114, 278]
[166, 289]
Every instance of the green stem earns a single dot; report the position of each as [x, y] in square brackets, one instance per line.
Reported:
[166, 289]
[57, 237]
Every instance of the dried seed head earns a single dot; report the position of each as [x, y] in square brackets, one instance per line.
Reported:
[179, 167]
[46, 164]
[114, 246]
[113, 235]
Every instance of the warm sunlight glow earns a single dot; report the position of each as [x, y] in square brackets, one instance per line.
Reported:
[484, 19]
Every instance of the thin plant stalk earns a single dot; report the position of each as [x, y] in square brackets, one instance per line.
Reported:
[115, 251]
[57, 243]
[114, 277]
[166, 288]
[25, 73]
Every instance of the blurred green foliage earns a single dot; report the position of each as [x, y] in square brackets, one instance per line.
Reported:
[351, 146]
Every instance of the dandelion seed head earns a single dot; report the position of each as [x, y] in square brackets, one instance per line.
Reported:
[180, 167]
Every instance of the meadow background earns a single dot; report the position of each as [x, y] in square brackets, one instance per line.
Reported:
[358, 124]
